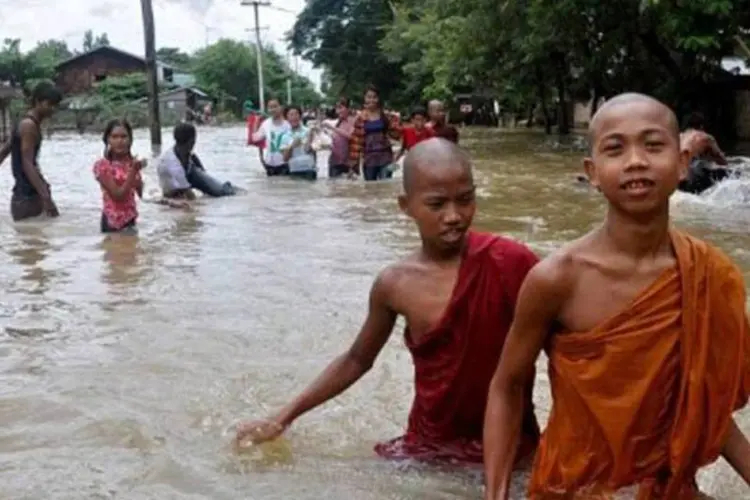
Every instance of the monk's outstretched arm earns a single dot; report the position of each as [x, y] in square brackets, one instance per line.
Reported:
[350, 366]
[536, 310]
[736, 451]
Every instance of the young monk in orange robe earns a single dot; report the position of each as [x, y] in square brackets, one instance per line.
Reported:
[645, 330]
[457, 293]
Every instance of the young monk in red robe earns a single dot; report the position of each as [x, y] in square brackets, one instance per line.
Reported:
[457, 293]
[645, 330]
[439, 123]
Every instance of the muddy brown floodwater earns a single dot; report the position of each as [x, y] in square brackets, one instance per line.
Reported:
[125, 362]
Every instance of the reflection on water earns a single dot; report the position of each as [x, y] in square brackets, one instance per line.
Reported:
[126, 360]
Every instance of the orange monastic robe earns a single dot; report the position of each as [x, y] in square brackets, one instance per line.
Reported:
[646, 398]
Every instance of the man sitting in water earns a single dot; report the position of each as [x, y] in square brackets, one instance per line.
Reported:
[457, 293]
[179, 165]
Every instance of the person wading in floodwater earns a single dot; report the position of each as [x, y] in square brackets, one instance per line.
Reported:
[31, 192]
[370, 140]
[272, 131]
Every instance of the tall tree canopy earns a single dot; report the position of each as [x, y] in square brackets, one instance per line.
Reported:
[527, 53]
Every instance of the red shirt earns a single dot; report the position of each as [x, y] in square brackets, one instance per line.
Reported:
[412, 136]
[118, 212]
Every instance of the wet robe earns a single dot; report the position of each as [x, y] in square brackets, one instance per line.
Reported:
[646, 398]
[455, 362]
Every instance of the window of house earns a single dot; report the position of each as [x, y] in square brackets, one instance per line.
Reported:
[100, 77]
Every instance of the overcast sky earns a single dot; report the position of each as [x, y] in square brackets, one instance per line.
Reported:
[186, 24]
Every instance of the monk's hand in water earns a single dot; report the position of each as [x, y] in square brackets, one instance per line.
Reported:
[257, 432]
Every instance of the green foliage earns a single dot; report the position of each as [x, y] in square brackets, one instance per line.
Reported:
[347, 45]
[175, 57]
[91, 42]
[526, 53]
[228, 68]
[121, 89]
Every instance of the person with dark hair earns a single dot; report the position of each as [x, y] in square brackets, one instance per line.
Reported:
[341, 134]
[118, 173]
[296, 145]
[32, 195]
[416, 133]
[370, 142]
[180, 170]
[272, 131]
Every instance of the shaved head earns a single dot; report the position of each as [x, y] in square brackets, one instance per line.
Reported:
[432, 155]
[631, 99]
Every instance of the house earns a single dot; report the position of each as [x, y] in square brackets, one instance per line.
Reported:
[174, 104]
[82, 72]
[7, 94]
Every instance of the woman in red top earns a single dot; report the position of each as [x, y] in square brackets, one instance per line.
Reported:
[119, 175]
[418, 132]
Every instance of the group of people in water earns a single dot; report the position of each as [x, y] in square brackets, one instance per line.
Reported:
[360, 142]
[644, 326]
[118, 171]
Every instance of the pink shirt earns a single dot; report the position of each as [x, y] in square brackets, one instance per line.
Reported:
[118, 212]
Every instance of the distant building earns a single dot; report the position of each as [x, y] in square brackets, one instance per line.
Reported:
[82, 72]
[174, 104]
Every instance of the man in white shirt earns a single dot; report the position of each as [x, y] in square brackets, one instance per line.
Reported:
[273, 131]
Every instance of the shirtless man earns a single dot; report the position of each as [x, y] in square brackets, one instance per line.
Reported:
[31, 193]
[707, 161]
[699, 144]
[645, 331]
[457, 293]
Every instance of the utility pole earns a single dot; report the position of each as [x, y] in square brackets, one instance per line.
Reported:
[256, 4]
[152, 83]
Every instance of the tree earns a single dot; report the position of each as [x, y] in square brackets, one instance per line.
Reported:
[175, 57]
[228, 68]
[91, 42]
[347, 45]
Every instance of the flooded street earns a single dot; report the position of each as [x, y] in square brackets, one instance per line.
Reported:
[125, 362]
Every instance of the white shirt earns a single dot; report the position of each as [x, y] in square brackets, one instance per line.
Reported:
[171, 173]
[273, 133]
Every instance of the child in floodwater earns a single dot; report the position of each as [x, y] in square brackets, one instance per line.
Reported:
[296, 144]
[416, 133]
[272, 131]
[457, 293]
[32, 195]
[119, 175]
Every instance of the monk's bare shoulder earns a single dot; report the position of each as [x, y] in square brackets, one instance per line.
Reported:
[554, 278]
[395, 276]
